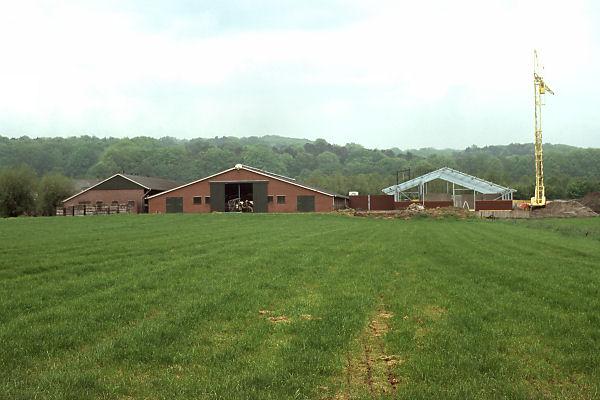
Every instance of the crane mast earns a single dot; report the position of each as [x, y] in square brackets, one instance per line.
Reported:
[540, 88]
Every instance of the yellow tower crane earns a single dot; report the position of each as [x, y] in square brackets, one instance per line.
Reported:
[540, 88]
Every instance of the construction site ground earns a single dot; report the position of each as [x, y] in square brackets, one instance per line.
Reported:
[592, 200]
[411, 212]
[553, 209]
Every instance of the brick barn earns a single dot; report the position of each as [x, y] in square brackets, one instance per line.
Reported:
[269, 192]
[132, 190]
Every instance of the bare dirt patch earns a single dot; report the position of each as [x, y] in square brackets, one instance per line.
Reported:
[370, 371]
[279, 319]
[563, 209]
[592, 200]
[276, 319]
[414, 212]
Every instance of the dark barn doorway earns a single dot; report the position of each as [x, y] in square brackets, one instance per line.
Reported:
[227, 196]
[239, 197]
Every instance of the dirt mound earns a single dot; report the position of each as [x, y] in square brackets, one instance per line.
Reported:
[415, 211]
[592, 200]
[415, 207]
[442, 212]
[563, 209]
[345, 211]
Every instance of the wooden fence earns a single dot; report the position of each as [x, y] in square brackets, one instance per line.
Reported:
[87, 209]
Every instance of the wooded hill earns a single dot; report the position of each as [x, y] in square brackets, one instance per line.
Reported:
[570, 171]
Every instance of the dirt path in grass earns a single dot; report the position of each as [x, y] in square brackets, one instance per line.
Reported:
[369, 371]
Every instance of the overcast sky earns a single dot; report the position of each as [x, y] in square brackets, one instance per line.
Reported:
[380, 73]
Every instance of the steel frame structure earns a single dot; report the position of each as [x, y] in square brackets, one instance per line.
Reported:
[465, 181]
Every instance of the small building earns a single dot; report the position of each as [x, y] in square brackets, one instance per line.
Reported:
[119, 189]
[448, 187]
[265, 191]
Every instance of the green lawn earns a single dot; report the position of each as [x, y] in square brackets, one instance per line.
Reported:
[298, 306]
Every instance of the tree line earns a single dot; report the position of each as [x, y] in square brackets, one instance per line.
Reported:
[22, 192]
[570, 171]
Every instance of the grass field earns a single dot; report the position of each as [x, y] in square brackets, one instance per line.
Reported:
[298, 306]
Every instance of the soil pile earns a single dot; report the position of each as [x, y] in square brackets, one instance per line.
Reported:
[441, 212]
[415, 207]
[414, 211]
[592, 200]
[563, 209]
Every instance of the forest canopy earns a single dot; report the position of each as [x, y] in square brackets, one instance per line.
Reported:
[570, 171]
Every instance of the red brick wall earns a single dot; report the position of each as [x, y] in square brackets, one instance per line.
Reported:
[359, 202]
[108, 196]
[493, 205]
[323, 203]
[378, 202]
[401, 205]
[382, 202]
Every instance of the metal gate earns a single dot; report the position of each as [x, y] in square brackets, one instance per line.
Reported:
[174, 204]
[305, 203]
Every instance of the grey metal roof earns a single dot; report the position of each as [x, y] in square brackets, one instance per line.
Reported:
[147, 182]
[293, 181]
[454, 176]
[151, 182]
[81, 184]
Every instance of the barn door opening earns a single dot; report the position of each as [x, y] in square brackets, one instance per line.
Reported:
[239, 197]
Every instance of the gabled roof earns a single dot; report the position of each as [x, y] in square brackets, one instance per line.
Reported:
[151, 182]
[454, 176]
[259, 171]
[293, 181]
[81, 184]
[146, 182]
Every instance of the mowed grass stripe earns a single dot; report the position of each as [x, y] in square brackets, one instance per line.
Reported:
[112, 286]
[152, 252]
[109, 292]
[475, 316]
[92, 243]
[555, 262]
[509, 317]
[324, 233]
